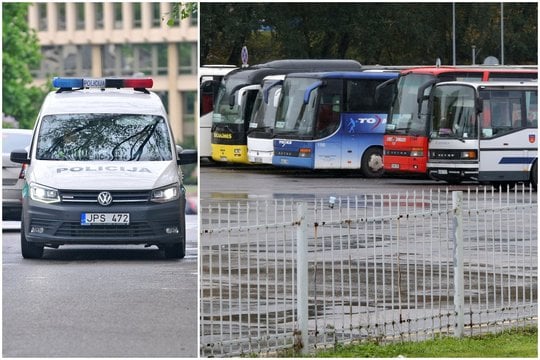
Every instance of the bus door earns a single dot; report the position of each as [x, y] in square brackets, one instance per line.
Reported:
[509, 139]
[328, 142]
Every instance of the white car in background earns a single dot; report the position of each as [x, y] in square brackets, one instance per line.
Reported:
[11, 172]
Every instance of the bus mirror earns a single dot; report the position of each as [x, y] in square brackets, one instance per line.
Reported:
[266, 92]
[310, 89]
[243, 92]
[380, 89]
[420, 97]
[479, 105]
[277, 96]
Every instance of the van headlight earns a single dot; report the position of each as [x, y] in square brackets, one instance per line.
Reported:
[44, 194]
[166, 194]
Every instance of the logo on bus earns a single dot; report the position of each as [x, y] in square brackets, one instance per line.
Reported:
[373, 121]
[222, 136]
[532, 138]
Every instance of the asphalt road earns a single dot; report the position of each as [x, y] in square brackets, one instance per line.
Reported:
[98, 301]
[219, 183]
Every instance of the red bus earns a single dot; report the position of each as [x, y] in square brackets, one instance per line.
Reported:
[407, 128]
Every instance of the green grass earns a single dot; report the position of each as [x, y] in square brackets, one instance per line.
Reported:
[522, 343]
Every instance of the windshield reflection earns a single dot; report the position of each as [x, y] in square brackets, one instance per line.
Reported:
[104, 137]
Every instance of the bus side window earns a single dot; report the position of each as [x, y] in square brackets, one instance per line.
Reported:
[328, 116]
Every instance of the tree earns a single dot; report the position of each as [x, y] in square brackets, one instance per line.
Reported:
[182, 11]
[372, 33]
[20, 51]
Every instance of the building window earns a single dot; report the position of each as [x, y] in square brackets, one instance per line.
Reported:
[67, 60]
[162, 59]
[189, 99]
[137, 16]
[79, 13]
[61, 16]
[117, 10]
[149, 59]
[187, 58]
[193, 20]
[156, 15]
[42, 16]
[98, 12]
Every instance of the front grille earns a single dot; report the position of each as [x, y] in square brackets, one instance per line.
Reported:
[445, 154]
[134, 230]
[91, 196]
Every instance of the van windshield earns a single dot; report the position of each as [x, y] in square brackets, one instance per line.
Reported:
[104, 137]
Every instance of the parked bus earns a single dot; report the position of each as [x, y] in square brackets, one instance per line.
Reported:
[210, 77]
[260, 134]
[261, 127]
[486, 132]
[237, 93]
[407, 129]
[332, 120]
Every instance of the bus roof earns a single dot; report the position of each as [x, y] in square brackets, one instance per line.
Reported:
[493, 84]
[254, 74]
[436, 70]
[345, 75]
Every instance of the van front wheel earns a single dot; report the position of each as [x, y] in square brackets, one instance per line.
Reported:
[175, 251]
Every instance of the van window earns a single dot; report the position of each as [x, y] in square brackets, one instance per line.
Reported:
[104, 137]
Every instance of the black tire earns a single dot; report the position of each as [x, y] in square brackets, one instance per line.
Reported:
[29, 250]
[175, 251]
[534, 175]
[372, 163]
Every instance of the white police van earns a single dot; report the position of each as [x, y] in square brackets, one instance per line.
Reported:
[103, 168]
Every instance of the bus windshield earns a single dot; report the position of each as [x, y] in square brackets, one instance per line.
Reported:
[403, 118]
[293, 116]
[224, 113]
[264, 113]
[104, 137]
[453, 113]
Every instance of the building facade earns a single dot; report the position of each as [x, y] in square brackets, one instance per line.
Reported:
[98, 39]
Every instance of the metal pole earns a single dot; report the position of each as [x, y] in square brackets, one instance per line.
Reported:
[459, 289]
[302, 278]
[454, 34]
[502, 34]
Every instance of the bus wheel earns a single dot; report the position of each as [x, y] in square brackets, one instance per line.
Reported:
[534, 175]
[372, 163]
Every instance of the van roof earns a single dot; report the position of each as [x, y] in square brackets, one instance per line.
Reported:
[114, 101]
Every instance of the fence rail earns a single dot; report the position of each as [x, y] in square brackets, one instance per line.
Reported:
[374, 267]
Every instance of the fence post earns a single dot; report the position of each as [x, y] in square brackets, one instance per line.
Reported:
[302, 279]
[459, 296]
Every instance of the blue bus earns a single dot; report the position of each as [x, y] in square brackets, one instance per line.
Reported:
[333, 120]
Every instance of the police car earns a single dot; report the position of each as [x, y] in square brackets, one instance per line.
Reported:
[103, 168]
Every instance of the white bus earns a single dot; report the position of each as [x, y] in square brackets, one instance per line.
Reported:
[484, 131]
[260, 141]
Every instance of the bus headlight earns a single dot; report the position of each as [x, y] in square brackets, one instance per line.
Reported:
[470, 154]
[166, 194]
[44, 194]
[304, 153]
[417, 152]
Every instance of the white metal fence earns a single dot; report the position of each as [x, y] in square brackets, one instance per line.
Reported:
[369, 267]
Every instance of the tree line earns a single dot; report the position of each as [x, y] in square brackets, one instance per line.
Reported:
[372, 33]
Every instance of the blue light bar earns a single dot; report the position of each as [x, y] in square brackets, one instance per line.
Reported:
[101, 83]
[67, 82]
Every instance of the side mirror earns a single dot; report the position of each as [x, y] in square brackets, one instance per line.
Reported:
[310, 89]
[188, 156]
[19, 157]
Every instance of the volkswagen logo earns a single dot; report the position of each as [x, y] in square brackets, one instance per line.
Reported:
[104, 198]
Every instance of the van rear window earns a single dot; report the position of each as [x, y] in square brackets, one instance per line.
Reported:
[104, 137]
